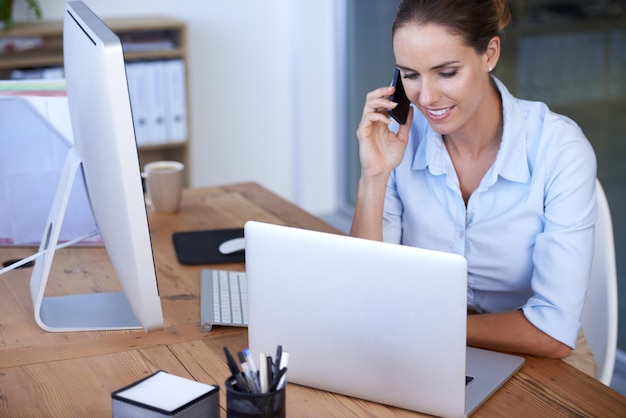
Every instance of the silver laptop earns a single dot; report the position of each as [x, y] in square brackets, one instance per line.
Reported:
[376, 321]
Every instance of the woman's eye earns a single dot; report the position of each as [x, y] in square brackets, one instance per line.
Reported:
[448, 74]
[410, 76]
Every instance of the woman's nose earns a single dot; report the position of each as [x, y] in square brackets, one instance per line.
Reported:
[427, 92]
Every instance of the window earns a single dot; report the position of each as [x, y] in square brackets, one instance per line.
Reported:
[370, 64]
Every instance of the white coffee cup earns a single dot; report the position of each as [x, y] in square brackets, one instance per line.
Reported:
[164, 185]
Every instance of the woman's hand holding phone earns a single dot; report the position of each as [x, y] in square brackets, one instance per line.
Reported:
[401, 111]
[380, 149]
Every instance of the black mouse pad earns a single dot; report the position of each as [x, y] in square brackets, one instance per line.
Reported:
[202, 247]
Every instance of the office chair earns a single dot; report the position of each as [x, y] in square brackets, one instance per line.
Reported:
[599, 317]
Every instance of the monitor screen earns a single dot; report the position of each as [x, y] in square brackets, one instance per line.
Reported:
[106, 150]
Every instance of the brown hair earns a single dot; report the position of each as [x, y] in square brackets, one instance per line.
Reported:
[477, 21]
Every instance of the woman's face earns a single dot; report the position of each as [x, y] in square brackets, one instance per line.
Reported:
[446, 79]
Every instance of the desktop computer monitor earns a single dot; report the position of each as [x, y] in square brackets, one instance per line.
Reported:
[105, 149]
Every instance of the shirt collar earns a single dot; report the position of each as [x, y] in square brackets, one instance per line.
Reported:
[511, 162]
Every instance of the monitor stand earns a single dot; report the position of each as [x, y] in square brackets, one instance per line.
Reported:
[82, 312]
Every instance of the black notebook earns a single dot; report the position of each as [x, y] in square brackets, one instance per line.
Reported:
[202, 247]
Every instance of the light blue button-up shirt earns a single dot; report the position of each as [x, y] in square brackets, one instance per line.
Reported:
[527, 230]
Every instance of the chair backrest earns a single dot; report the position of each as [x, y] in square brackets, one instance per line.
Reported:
[599, 318]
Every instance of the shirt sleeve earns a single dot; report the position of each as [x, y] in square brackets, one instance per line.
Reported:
[392, 214]
[563, 251]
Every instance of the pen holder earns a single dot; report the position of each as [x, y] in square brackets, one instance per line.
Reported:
[254, 405]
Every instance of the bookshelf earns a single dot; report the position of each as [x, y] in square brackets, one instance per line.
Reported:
[35, 50]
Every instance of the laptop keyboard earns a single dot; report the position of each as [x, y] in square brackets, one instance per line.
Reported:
[224, 298]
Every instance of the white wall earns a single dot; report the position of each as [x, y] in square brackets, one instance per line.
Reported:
[263, 87]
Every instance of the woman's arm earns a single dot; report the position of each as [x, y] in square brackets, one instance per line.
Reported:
[512, 332]
[380, 151]
[368, 211]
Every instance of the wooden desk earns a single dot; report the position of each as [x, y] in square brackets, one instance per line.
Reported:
[73, 374]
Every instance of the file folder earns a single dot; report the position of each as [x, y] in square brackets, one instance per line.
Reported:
[176, 100]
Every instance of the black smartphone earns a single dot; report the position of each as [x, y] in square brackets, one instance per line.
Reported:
[400, 112]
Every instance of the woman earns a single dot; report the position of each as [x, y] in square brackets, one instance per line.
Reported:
[504, 182]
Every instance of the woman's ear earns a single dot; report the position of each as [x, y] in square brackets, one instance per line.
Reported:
[492, 54]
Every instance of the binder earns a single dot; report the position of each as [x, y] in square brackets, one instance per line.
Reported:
[176, 119]
[137, 89]
[154, 72]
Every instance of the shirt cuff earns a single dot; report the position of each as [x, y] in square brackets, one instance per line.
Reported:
[553, 321]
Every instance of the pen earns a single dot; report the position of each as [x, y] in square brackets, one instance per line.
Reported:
[249, 360]
[232, 364]
[234, 369]
[253, 382]
[279, 352]
[278, 380]
[270, 376]
[251, 375]
[270, 369]
[241, 358]
[284, 360]
[263, 372]
[254, 372]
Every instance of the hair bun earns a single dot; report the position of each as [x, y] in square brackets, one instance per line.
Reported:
[503, 12]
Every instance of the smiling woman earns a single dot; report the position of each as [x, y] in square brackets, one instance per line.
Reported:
[475, 167]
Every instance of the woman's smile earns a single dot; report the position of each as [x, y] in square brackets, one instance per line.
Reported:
[437, 115]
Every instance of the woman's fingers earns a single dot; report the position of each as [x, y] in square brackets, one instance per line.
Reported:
[378, 99]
